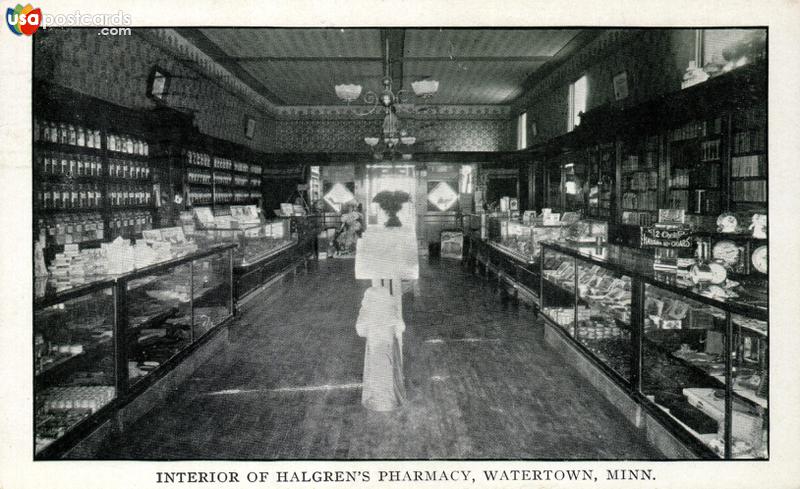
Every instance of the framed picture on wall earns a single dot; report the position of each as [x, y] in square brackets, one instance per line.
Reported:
[249, 127]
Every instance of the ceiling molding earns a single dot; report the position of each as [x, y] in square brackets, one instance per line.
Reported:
[204, 44]
[577, 43]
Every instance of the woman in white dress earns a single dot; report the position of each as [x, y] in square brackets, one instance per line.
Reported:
[380, 321]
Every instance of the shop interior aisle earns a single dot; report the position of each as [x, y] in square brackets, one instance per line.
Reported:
[481, 383]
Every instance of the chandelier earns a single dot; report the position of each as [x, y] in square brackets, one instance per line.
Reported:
[393, 135]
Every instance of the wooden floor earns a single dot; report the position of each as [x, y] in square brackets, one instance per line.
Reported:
[481, 384]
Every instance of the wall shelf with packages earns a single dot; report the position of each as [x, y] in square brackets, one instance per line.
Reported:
[665, 341]
[84, 373]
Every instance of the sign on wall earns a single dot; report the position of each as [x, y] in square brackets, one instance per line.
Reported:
[337, 196]
[441, 196]
[665, 238]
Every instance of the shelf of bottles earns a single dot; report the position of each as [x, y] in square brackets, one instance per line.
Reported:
[695, 178]
[749, 159]
[639, 181]
[218, 180]
[90, 184]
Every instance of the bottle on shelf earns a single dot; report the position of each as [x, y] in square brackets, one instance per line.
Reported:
[71, 135]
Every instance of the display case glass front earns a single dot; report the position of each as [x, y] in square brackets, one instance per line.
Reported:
[558, 289]
[96, 344]
[683, 363]
[74, 361]
[697, 352]
[255, 242]
[159, 319]
[212, 300]
[604, 316]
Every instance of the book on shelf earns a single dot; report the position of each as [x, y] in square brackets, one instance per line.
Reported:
[749, 141]
[750, 191]
[679, 199]
[748, 166]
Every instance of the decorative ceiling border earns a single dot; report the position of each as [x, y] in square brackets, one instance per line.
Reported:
[407, 110]
[182, 49]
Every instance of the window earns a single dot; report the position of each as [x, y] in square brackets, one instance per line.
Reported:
[522, 133]
[578, 93]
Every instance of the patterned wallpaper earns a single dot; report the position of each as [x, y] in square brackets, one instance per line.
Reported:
[653, 59]
[116, 68]
[332, 135]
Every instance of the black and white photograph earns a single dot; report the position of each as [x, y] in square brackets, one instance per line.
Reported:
[511, 251]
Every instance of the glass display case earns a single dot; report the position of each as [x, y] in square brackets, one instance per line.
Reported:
[513, 246]
[695, 355]
[95, 345]
[271, 249]
[523, 239]
[74, 359]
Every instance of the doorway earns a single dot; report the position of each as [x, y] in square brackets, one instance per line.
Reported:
[391, 177]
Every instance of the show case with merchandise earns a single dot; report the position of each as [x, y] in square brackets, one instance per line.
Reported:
[695, 356]
[264, 249]
[255, 241]
[99, 345]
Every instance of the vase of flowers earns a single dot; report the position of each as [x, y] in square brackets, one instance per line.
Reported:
[391, 202]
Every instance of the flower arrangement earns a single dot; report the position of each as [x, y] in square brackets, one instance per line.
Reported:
[391, 202]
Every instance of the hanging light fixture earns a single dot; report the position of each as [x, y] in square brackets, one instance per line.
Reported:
[393, 134]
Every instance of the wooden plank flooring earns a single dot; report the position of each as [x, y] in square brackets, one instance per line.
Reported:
[481, 384]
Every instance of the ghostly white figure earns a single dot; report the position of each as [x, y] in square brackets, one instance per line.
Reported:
[380, 321]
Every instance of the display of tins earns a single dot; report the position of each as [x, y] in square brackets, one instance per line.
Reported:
[726, 252]
[759, 259]
[727, 222]
[708, 273]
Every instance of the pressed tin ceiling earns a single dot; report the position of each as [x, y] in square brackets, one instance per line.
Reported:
[299, 67]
